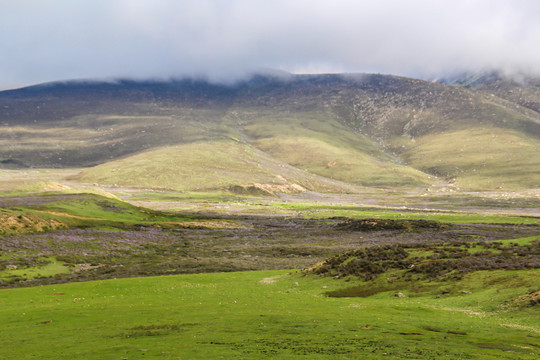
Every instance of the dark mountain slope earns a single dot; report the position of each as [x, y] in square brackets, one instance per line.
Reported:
[520, 90]
[374, 130]
[86, 123]
[382, 106]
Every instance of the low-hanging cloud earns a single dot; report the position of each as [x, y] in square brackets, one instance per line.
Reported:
[226, 39]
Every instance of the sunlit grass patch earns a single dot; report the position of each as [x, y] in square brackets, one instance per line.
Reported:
[342, 162]
[238, 315]
[321, 211]
[47, 267]
[479, 158]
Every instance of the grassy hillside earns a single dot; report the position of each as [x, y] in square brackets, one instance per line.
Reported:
[356, 129]
[196, 166]
[204, 166]
[319, 143]
[341, 163]
[312, 141]
[479, 158]
[60, 210]
[389, 272]
[90, 139]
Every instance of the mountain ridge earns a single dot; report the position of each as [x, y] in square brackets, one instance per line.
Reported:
[362, 129]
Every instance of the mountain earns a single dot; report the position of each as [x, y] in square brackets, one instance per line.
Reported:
[519, 93]
[297, 132]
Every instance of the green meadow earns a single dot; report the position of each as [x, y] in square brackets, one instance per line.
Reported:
[283, 314]
[269, 314]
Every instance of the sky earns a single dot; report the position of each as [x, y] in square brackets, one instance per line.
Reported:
[225, 40]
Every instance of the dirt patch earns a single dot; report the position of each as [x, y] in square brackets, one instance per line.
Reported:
[86, 267]
[26, 223]
[530, 299]
[270, 280]
[521, 327]
[68, 215]
[212, 224]
[332, 163]
[266, 189]
[54, 186]
[315, 266]
[466, 311]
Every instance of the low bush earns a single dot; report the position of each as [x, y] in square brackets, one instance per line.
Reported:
[449, 261]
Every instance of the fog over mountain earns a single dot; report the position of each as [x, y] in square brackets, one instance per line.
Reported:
[225, 40]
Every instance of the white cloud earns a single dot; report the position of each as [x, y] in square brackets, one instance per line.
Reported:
[62, 39]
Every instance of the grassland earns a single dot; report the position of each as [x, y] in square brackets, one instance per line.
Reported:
[272, 311]
[79, 210]
[323, 211]
[209, 166]
[193, 167]
[342, 164]
[479, 158]
[317, 151]
[86, 138]
[319, 143]
[269, 314]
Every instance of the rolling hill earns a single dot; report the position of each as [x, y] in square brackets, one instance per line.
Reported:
[327, 133]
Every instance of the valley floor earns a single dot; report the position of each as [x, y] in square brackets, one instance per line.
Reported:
[62, 238]
[286, 236]
[268, 314]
